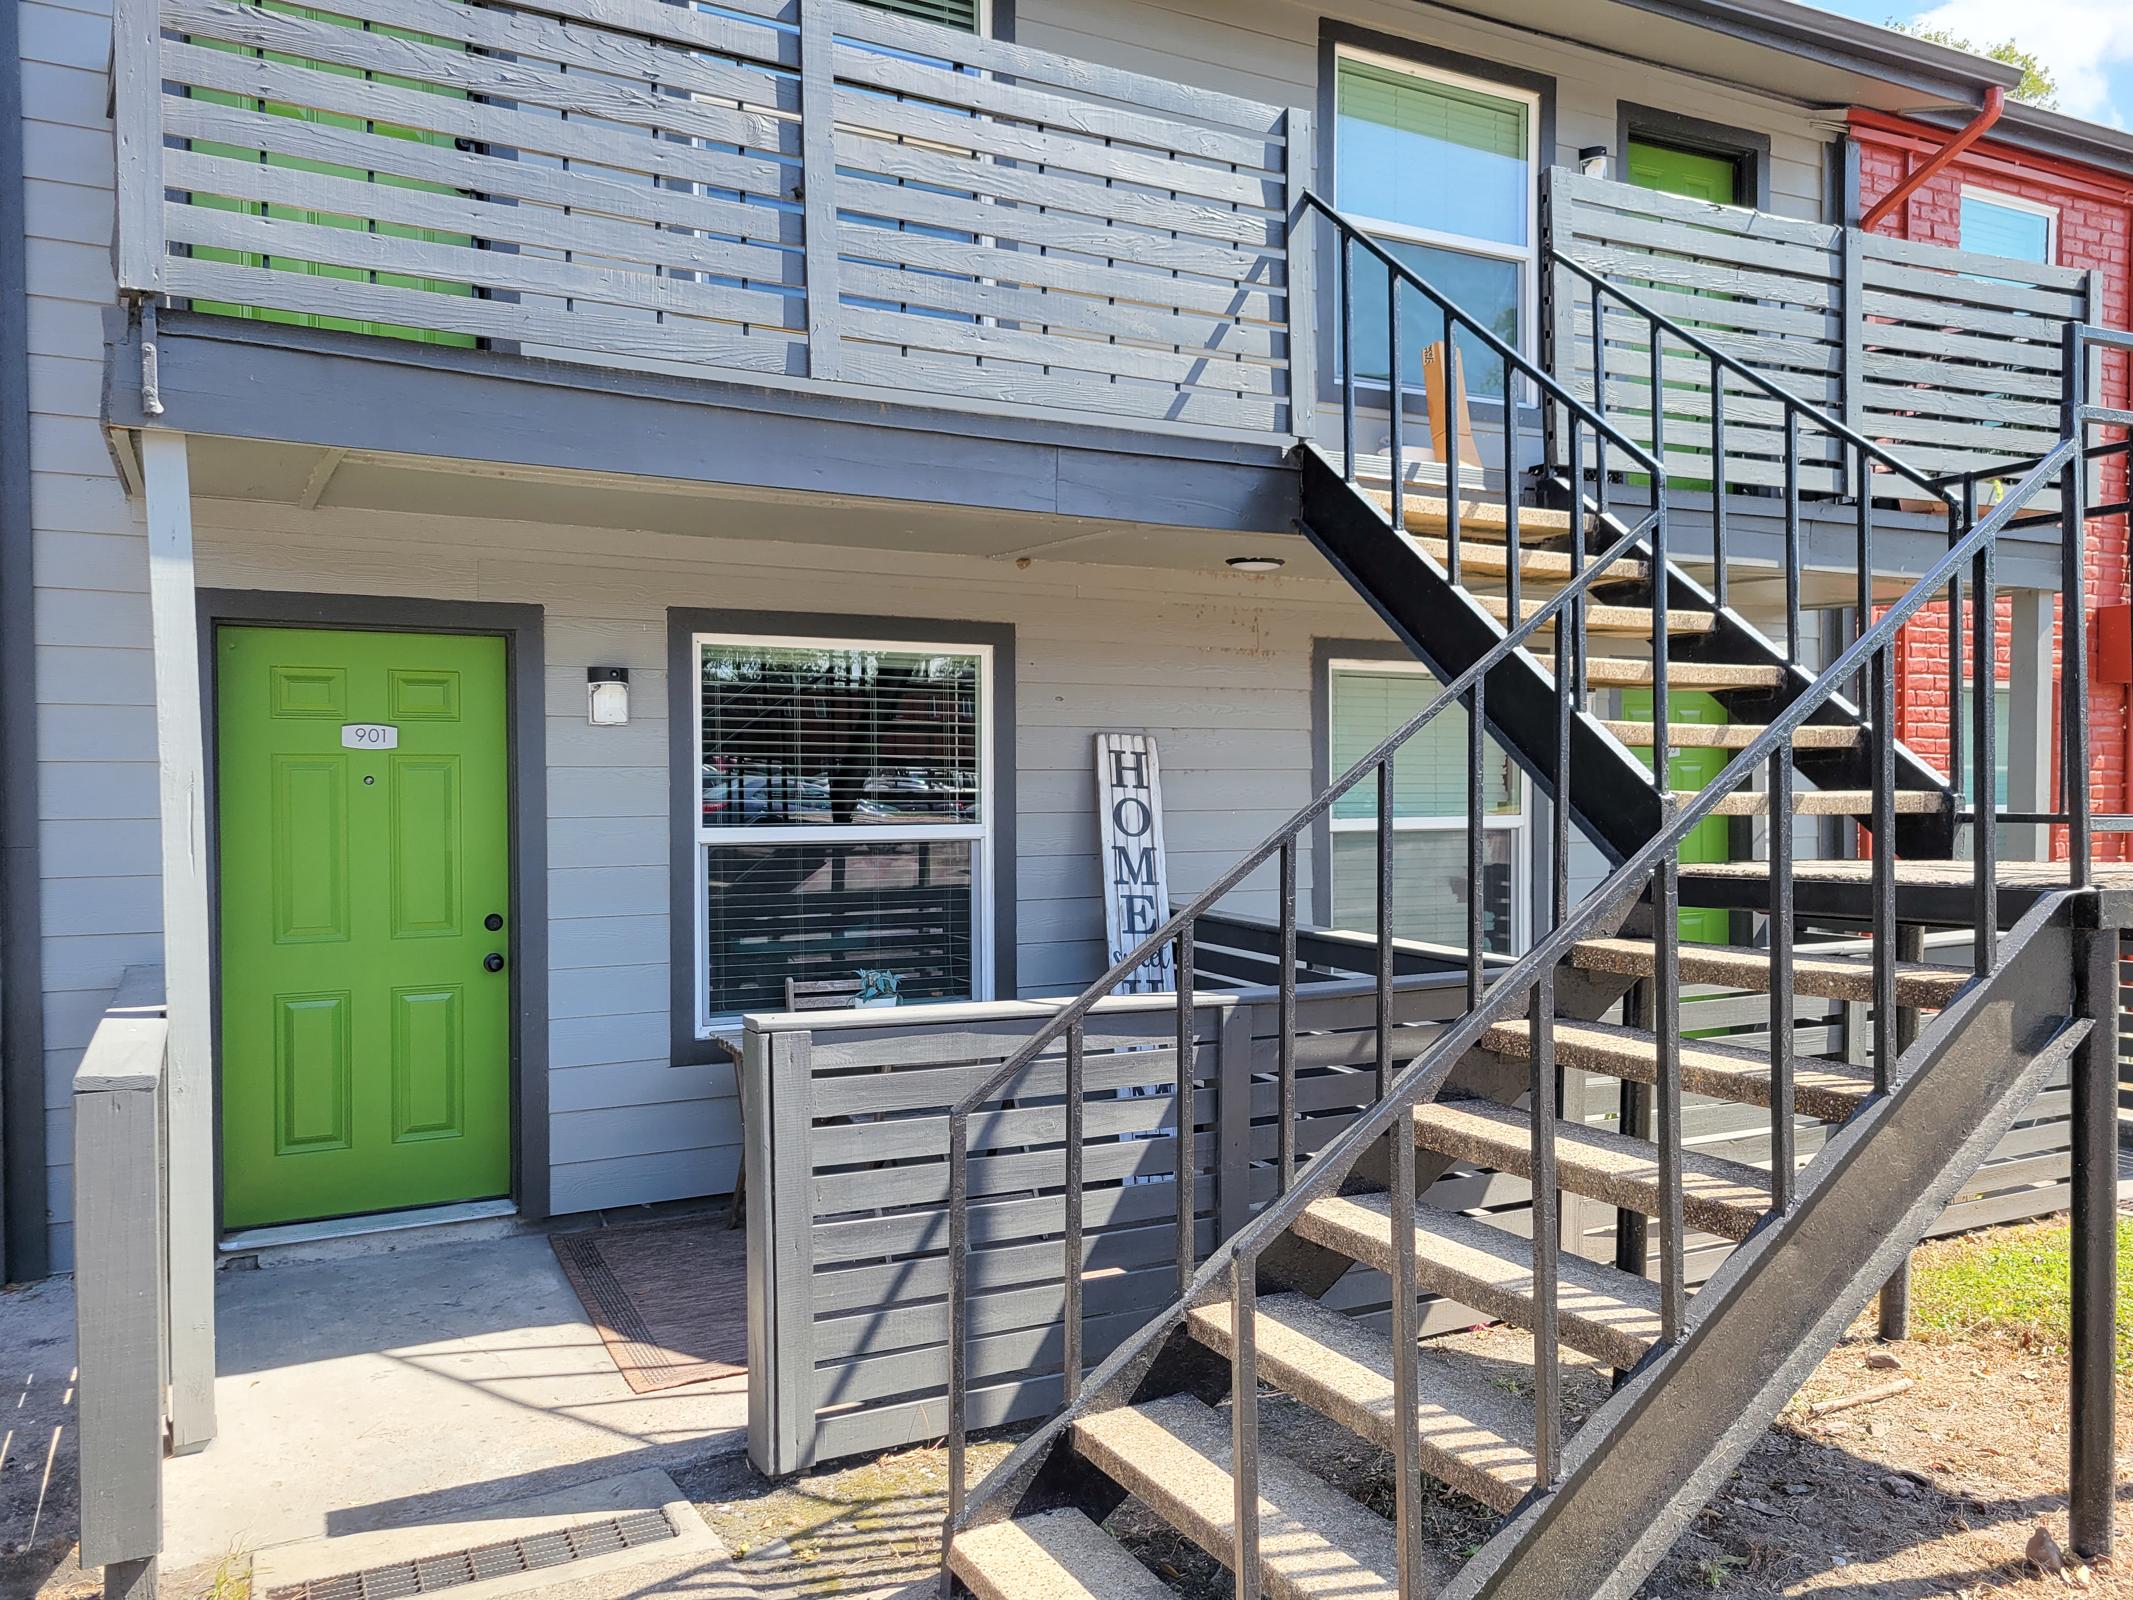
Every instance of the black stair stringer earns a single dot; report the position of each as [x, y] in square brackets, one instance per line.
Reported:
[1654, 1454]
[1612, 797]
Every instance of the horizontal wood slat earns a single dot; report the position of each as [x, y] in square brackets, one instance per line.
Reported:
[796, 187]
[1949, 359]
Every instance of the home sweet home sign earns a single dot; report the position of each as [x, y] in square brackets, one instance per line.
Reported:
[1129, 799]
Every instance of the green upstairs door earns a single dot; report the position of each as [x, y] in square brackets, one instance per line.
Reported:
[363, 786]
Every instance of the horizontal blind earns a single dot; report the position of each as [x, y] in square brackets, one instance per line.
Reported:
[1429, 771]
[961, 14]
[1443, 112]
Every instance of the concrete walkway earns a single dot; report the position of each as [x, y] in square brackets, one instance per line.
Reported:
[386, 1389]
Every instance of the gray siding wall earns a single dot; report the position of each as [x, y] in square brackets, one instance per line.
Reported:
[95, 691]
[1216, 666]
[1223, 683]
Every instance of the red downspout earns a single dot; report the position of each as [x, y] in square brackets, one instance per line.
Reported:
[1979, 126]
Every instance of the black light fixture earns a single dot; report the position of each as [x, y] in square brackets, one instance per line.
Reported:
[1255, 563]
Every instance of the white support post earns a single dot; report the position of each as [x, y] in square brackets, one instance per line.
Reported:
[181, 755]
[2031, 720]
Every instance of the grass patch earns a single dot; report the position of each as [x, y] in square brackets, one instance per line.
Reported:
[2012, 1282]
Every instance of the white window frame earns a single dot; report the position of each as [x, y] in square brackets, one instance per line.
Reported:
[1526, 256]
[2020, 203]
[981, 832]
[1518, 823]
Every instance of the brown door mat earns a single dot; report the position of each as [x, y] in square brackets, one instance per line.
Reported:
[670, 1299]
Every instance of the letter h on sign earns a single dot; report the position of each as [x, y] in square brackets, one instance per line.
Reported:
[1129, 798]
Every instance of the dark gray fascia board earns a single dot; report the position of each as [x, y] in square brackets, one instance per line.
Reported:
[1825, 37]
[25, 1251]
[221, 377]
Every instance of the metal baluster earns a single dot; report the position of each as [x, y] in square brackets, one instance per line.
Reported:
[1599, 396]
[1792, 534]
[1406, 1352]
[1244, 1422]
[958, 1309]
[1956, 530]
[1547, 1348]
[1285, 1014]
[1881, 684]
[1187, 1135]
[2073, 616]
[1865, 601]
[1396, 400]
[1071, 1362]
[1666, 1033]
[1384, 995]
[1661, 726]
[1782, 1153]
[1718, 484]
[1476, 750]
[1985, 733]
[1451, 447]
[1566, 624]
[1510, 515]
[1347, 318]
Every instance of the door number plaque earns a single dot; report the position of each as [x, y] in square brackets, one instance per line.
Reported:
[370, 736]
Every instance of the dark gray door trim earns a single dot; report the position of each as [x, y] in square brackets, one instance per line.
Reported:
[520, 627]
[684, 792]
[25, 1246]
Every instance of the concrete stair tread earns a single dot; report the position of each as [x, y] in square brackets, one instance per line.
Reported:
[1607, 1314]
[1737, 735]
[1629, 621]
[1817, 802]
[1315, 1543]
[1918, 983]
[1724, 1197]
[1475, 1437]
[1053, 1555]
[1723, 1072]
[1628, 672]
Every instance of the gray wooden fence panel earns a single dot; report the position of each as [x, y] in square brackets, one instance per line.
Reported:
[805, 189]
[1949, 358]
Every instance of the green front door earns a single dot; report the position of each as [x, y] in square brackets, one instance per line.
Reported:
[365, 876]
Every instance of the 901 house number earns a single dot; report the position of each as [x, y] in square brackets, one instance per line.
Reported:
[370, 736]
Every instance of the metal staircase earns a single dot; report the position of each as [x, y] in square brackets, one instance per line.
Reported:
[1531, 615]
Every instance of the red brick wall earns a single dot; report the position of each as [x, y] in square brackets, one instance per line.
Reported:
[2095, 232]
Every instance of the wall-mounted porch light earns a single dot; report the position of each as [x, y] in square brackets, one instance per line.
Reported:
[607, 696]
[1593, 161]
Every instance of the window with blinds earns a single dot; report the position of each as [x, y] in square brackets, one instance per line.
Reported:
[1441, 170]
[843, 822]
[961, 14]
[1431, 885]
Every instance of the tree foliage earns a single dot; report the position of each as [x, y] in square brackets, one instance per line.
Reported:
[2038, 87]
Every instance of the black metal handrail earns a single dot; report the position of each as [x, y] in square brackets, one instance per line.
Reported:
[1563, 611]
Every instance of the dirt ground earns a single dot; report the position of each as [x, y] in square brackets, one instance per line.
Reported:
[1937, 1491]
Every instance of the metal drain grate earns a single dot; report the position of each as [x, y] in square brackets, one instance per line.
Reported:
[505, 1558]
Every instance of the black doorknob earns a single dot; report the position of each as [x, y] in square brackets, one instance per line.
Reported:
[494, 961]
[493, 922]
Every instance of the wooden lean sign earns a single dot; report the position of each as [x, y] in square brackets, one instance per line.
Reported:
[1129, 799]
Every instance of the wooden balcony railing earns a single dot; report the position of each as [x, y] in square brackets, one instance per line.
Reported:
[807, 189]
[1949, 359]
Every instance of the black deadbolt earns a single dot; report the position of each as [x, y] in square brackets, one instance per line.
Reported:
[492, 922]
[493, 961]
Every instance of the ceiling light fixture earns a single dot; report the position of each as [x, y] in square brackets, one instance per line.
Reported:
[1255, 563]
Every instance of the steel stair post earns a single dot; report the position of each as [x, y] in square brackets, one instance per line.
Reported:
[2093, 1467]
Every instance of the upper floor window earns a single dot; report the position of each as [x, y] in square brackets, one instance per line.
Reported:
[844, 821]
[1440, 168]
[2008, 225]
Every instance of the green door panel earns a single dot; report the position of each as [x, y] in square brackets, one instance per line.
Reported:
[1695, 173]
[365, 1050]
[1710, 840]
